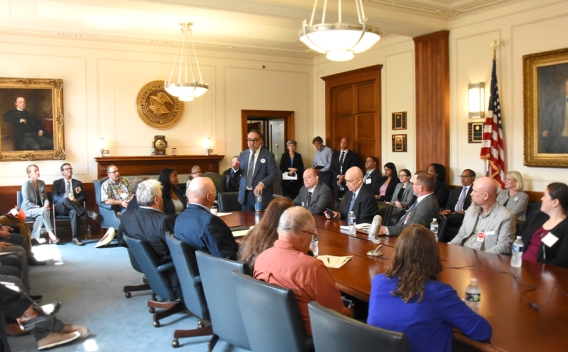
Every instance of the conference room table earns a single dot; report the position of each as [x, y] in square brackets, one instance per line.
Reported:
[509, 295]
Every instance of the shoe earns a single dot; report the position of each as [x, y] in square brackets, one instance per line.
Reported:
[53, 239]
[36, 298]
[77, 242]
[51, 308]
[83, 331]
[92, 214]
[107, 238]
[32, 315]
[57, 339]
[14, 329]
[37, 242]
[32, 261]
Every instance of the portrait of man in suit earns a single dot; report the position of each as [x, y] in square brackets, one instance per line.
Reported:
[554, 123]
[28, 132]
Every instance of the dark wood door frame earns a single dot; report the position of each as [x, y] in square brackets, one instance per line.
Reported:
[288, 117]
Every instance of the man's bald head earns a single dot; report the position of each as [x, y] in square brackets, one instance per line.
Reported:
[354, 178]
[484, 192]
[201, 190]
[311, 178]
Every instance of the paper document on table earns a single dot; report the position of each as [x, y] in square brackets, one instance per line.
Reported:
[223, 214]
[332, 261]
[364, 227]
[286, 176]
[240, 231]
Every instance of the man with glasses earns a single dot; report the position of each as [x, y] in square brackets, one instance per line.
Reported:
[69, 198]
[116, 190]
[258, 171]
[358, 199]
[288, 265]
[459, 201]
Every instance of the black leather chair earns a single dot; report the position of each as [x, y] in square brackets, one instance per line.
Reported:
[442, 226]
[194, 298]
[334, 332]
[520, 225]
[218, 180]
[385, 211]
[229, 201]
[533, 208]
[158, 278]
[271, 316]
[107, 214]
[217, 278]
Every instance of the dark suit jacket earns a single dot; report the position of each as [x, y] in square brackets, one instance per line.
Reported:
[206, 232]
[233, 184]
[148, 225]
[265, 171]
[31, 125]
[351, 159]
[422, 214]
[321, 198]
[58, 190]
[455, 196]
[558, 253]
[365, 206]
[375, 181]
[298, 163]
[169, 207]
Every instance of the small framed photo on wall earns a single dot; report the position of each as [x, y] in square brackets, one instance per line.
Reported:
[474, 132]
[399, 120]
[399, 143]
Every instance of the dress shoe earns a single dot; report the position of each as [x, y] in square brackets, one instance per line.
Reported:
[32, 261]
[77, 242]
[83, 331]
[92, 214]
[57, 339]
[37, 242]
[32, 315]
[53, 239]
[14, 329]
[36, 298]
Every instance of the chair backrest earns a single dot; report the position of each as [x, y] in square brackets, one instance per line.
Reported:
[520, 225]
[442, 225]
[336, 332]
[532, 209]
[229, 201]
[218, 284]
[155, 274]
[184, 260]
[385, 211]
[107, 214]
[271, 316]
[218, 180]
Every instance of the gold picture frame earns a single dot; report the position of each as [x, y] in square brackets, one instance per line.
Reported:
[545, 87]
[156, 107]
[34, 132]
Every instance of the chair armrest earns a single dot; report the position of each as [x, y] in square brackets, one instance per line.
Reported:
[166, 267]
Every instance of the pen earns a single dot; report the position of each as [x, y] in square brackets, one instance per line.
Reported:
[327, 260]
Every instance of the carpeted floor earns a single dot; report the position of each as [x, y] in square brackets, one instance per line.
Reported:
[89, 281]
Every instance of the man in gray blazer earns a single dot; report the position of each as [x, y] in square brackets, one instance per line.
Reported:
[424, 209]
[314, 196]
[258, 172]
[487, 225]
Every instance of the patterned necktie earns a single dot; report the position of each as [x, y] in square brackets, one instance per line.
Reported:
[67, 189]
[341, 162]
[459, 206]
[406, 215]
[309, 198]
[352, 203]
[366, 176]
[250, 169]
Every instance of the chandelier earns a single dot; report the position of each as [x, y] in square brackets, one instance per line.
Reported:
[339, 41]
[184, 90]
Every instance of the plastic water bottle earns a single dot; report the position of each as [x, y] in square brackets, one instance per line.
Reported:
[516, 259]
[258, 204]
[314, 247]
[351, 222]
[472, 294]
[434, 228]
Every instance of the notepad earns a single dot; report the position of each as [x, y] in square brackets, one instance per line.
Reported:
[332, 261]
[363, 227]
[241, 231]
[223, 214]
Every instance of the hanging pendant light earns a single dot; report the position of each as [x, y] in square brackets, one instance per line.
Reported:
[339, 41]
[184, 90]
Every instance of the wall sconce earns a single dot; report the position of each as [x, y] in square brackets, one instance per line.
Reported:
[207, 146]
[477, 100]
[101, 145]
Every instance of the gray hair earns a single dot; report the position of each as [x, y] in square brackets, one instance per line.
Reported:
[146, 192]
[291, 141]
[294, 220]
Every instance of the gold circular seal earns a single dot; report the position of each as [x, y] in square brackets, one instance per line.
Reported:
[156, 107]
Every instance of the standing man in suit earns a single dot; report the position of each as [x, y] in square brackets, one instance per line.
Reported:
[372, 178]
[199, 228]
[69, 197]
[424, 209]
[459, 201]
[258, 172]
[358, 199]
[322, 161]
[314, 195]
[233, 185]
[341, 161]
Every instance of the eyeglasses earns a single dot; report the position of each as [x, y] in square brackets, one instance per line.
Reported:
[253, 140]
[464, 176]
[314, 235]
[68, 168]
[113, 172]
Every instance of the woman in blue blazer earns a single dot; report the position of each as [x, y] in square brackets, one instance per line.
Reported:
[293, 164]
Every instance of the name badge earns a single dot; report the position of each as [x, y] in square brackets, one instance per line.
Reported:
[490, 233]
[549, 239]
[78, 190]
[480, 237]
[368, 181]
[302, 203]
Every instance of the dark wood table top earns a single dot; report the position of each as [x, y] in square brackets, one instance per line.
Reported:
[505, 291]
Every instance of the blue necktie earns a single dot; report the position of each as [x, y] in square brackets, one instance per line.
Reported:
[352, 203]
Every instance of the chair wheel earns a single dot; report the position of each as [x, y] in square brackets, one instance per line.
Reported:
[151, 310]
[127, 294]
[156, 324]
[200, 324]
[175, 343]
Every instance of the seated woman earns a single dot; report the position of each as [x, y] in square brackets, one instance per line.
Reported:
[441, 190]
[195, 172]
[174, 199]
[409, 298]
[512, 197]
[388, 183]
[263, 234]
[551, 222]
[36, 204]
[403, 195]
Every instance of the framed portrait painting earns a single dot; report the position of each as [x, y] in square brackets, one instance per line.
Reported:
[32, 119]
[545, 86]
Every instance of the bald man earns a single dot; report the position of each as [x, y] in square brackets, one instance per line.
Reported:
[199, 228]
[487, 225]
[314, 195]
[359, 199]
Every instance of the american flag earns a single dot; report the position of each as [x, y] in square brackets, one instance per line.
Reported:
[492, 148]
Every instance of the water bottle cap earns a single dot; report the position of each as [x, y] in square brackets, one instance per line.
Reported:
[518, 237]
[473, 280]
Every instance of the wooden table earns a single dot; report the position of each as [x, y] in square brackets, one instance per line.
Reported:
[516, 325]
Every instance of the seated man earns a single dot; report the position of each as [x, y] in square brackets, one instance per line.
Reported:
[199, 228]
[424, 209]
[69, 197]
[288, 265]
[458, 203]
[358, 199]
[19, 253]
[235, 180]
[116, 190]
[11, 223]
[487, 225]
[314, 195]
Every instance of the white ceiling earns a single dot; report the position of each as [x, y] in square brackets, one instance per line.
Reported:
[263, 26]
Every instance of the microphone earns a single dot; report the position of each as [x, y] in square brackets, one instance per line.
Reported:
[374, 229]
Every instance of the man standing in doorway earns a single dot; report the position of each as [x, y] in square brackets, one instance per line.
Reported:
[342, 161]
